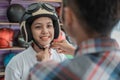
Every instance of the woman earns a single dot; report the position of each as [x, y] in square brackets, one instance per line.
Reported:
[40, 26]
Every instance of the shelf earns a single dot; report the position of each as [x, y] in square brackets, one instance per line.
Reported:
[48, 0]
[51, 0]
[2, 73]
[13, 48]
[7, 23]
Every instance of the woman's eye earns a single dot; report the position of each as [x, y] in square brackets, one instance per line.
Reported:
[37, 27]
[49, 26]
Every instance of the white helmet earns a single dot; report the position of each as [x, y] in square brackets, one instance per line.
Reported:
[35, 11]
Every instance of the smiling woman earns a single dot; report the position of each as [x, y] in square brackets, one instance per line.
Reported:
[39, 25]
[43, 30]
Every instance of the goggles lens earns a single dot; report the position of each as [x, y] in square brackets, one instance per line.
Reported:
[36, 6]
[48, 7]
[32, 8]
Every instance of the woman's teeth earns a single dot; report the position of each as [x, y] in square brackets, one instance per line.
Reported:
[45, 38]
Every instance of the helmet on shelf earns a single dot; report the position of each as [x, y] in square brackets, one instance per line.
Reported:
[15, 12]
[6, 37]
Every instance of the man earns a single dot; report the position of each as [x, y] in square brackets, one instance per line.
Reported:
[97, 57]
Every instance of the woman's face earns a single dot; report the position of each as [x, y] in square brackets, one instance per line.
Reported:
[43, 30]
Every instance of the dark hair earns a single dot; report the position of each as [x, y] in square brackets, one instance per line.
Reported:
[99, 15]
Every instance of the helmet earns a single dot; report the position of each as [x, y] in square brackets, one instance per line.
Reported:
[15, 12]
[34, 11]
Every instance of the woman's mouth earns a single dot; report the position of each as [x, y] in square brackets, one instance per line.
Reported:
[45, 38]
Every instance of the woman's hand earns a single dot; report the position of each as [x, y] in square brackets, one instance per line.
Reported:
[43, 55]
[63, 47]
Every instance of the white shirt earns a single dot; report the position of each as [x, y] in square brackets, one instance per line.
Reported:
[19, 66]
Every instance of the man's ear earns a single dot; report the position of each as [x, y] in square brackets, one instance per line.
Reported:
[68, 16]
[69, 21]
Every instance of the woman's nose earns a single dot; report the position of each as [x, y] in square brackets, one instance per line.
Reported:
[44, 30]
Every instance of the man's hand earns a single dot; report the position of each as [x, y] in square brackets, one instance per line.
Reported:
[63, 47]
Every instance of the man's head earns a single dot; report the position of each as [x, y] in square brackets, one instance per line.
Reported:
[90, 18]
[36, 13]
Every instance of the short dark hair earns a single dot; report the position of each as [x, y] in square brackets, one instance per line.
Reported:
[99, 15]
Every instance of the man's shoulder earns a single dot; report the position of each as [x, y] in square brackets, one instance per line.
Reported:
[47, 69]
[50, 64]
[53, 70]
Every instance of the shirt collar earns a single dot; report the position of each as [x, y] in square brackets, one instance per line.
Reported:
[96, 45]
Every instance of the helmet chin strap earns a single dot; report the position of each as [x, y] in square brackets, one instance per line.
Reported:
[40, 46]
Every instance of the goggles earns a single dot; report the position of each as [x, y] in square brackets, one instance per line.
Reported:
[36, 6]
[39, 8]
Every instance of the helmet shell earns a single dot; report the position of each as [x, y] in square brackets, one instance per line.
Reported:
[15, 12]
[29, 17]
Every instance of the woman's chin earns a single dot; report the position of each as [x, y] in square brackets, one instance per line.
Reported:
[46, 44]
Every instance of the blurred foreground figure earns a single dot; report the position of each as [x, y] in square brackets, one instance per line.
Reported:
[97, 56]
